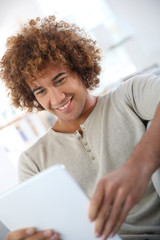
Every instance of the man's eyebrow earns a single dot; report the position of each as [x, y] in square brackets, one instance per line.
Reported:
[58, 75]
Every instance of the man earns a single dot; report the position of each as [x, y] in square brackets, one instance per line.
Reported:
[102, 141]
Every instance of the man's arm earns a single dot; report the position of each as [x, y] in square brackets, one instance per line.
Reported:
[118, 191]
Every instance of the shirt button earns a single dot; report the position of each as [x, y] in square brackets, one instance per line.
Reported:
[85, 143]
[88, 150]
[79, 137]
[92, 158]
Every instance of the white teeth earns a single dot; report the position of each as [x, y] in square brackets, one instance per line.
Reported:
[65, 106]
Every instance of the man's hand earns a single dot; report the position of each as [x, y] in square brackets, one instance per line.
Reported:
[32, 234]
[120, 190]
[115, 194]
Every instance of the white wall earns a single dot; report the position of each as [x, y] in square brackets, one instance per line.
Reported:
[8, 172]
[13, 12]
[141, 19]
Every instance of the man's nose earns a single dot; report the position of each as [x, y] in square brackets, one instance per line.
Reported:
[56, 97]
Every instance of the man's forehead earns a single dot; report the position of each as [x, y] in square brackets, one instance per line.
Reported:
[54, 68]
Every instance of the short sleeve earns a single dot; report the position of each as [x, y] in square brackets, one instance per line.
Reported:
[142, 94]
[26, 167]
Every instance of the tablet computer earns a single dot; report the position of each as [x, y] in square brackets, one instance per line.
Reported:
[49, 200]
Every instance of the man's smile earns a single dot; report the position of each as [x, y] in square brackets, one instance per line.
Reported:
[66, 106]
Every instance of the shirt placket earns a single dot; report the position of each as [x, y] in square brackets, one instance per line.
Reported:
[85, 144]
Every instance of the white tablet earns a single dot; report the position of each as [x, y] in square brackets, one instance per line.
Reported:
[49, 200]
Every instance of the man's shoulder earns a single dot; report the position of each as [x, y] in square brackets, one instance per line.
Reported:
[141, 79]
[43, 140]
[133, 84]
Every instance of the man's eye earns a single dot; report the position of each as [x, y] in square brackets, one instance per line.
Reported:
[40, 92]
[59, 81]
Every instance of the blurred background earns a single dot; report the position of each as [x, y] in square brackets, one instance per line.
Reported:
[127, 31]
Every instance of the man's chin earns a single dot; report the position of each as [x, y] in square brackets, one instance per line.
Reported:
[67, 118]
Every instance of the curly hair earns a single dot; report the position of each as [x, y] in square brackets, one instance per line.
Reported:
[43, 41]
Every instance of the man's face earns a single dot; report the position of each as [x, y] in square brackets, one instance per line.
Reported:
[60, 92]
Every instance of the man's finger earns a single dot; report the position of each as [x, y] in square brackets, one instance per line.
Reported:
[45, 234]
[125, 210]
[20, 234]
[96, 201]
[103, 214]
[32, 234]
[114, 214]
